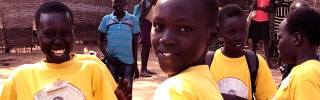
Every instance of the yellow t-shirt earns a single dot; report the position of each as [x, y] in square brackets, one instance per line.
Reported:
[233, 77]
[75, 79]
[194, 83]
[303, 83]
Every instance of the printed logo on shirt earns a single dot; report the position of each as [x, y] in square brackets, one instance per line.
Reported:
[60, 90]
[233, 88]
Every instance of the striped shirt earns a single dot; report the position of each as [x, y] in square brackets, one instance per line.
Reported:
[281, 12]
[120, 35]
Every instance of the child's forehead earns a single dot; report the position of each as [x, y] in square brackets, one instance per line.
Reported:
[118, 0]
[182, 4]
[55, 16]
[237, 21]
[179, 6]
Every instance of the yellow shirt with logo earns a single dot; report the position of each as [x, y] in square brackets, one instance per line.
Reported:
[194, 83]
[303, 83]
[85, 79]
[233, 77]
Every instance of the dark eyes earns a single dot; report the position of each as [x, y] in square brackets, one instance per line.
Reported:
[49, 33]
[186, 29]
[241, 31]
[159, 27]
[53, 34]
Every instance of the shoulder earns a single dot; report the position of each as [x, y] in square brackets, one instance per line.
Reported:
[309, 72]
[87, 57]
[172, 88]
[261, 61]
[91, 60]
[24, 70]
[134, 18]
[107, 17]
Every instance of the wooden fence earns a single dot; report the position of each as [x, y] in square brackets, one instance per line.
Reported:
[16, 17]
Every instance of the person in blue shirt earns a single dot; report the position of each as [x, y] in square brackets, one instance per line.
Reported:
[119, 31]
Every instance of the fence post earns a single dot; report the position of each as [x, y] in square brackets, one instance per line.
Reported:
[7, 50]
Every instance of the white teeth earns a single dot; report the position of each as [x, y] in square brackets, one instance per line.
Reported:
[58, 52]
[239, 45]
[167, 54]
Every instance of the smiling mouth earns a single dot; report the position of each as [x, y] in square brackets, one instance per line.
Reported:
[239, 45]
[167, 54]
[58, 52]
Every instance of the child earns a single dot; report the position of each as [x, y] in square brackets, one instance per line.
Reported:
[183, 32]
[144, 36]
[120, 30]
[286, 68]
[298, 44]
[230, 66]
[61, 75]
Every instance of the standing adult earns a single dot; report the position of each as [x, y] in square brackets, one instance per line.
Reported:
[144, 37]
[259, 27]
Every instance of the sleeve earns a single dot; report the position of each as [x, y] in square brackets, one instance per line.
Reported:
[9, 92]
[305, 90]
[102, 89]
[136, 26]
[9, 89]
[103, 25]
[265, 85]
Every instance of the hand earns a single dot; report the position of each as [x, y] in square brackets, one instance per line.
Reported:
[114, 61]
[135, 71]
[266, 9]
[123, 90]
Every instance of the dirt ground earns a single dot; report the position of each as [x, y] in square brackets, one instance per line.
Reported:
[143, 87]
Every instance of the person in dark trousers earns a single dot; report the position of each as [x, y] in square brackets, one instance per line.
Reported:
[259, 27]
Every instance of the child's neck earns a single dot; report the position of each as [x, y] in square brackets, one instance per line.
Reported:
[119, 14]
[308, 54]
[232, 53]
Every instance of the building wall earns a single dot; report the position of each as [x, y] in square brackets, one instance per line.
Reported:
[17, 17]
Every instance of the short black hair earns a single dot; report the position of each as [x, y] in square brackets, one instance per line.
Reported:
[294, 6]
[211, 9]
[52, 7]
[230, 10]
[306, 21]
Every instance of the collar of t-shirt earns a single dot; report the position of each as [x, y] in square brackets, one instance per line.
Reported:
[127, 16]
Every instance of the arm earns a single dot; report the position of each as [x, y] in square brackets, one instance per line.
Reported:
[144, 11]
[135, 56]
[265, 86]
[255, 7]
[271, 7]
[102, 47]
[135, 33]
[102, 43]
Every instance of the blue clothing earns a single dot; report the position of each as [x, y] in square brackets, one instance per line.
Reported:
[119, 35]
[124, 71]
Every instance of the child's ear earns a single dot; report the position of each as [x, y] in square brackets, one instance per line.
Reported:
[214, 34]
[297, 38]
